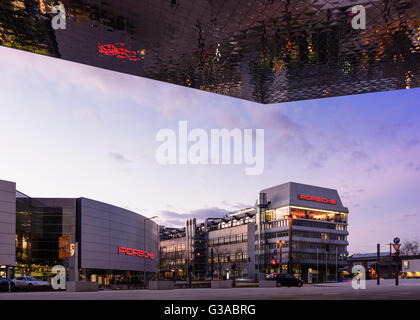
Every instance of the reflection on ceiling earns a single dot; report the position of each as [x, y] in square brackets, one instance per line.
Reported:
[265, 51]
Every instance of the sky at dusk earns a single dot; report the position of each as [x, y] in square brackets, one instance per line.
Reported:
[70, 130]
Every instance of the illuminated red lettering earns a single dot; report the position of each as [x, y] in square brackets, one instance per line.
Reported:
[317, 199]
[122, 250]
[136, 252]
[120, 52]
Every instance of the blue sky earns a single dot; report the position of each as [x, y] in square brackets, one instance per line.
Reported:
[70, 130]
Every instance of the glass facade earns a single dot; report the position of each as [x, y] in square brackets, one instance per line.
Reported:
[39, 224]
[312, 239]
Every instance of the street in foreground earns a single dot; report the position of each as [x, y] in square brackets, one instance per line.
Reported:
[407, 289]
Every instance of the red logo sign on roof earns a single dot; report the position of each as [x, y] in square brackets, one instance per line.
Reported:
[317, 199]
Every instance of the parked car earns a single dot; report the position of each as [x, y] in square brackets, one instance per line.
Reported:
[29, 282]
[4, 284]
[284, 280]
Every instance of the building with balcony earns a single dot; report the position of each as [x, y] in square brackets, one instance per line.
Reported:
[301, 229]
[294, 228]
[214, 249]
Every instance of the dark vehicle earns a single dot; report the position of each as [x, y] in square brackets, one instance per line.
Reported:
[287, 280]
[4, 284]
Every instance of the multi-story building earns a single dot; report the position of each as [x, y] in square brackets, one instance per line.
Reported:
[211, 249]
[231, 245]
[114, 245]
[301, 229]
[173, 253]
[294, 228]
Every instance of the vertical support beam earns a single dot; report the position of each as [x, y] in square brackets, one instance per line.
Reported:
[290, 262]
[317, 267]
[397, 269]
[378, 264]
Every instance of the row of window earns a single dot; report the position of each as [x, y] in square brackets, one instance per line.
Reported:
[314, 224]
[319, 235]
[271, 246]
[172, 263]
[320, 257]
[272, 235]
[275, 224]
[224, 225]
[173, 248]
[320, 246]
[238, 238]
[230, 257]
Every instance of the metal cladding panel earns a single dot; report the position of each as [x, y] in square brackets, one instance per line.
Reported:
[251, 249]
[7, 223]
[288, 194]
[105, 227]
[278, 196]
[297, 189]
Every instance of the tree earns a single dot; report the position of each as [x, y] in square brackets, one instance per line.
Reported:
[410, 248]
[218, 254]
[240, 265]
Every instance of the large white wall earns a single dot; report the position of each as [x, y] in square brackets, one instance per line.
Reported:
[7, 223]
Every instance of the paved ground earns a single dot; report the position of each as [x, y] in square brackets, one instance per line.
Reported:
[408, 289]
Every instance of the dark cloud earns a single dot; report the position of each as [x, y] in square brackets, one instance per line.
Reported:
[318, 160]
[359, 156]
[281, 131]
[118, 157]
[176, 219]
[236, 205]
[412, 143]
[413, 166]
[373, 168]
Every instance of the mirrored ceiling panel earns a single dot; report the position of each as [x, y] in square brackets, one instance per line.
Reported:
[265, 51]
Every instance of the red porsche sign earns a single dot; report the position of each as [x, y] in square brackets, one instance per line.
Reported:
[317, 199]
[136, 252]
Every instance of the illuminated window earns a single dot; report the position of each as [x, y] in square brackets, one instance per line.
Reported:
[268, 216]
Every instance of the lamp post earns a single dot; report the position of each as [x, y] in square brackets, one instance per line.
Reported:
[290, 262]
[144, 244]
[280, 243]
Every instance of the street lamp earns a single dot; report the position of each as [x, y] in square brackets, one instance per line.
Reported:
[281, 243]
[144, 244]
[289, 217]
